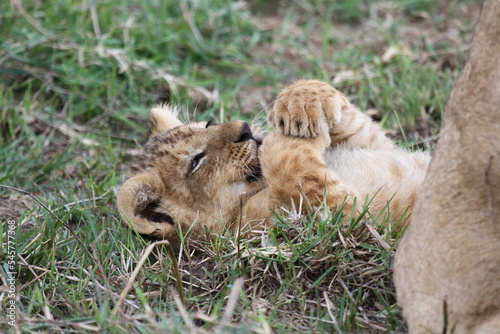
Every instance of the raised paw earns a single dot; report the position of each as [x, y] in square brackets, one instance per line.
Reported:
[307, 108]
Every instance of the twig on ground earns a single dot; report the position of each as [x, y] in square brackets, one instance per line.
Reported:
[132, 278]
[232, 301]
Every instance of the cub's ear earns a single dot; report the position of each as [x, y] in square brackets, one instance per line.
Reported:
[163, 118]
[140, 203]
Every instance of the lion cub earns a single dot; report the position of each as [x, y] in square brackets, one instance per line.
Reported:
[194, 178]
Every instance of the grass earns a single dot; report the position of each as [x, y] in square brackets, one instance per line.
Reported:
[76, 81]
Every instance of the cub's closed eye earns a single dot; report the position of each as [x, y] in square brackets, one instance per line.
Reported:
[195, 163]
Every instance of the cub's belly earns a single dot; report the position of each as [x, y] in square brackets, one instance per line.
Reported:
[380, 176]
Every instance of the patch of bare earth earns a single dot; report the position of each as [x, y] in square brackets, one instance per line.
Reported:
[12, 206]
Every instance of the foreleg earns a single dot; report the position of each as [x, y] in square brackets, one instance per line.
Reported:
[295, 170]
[308, 107]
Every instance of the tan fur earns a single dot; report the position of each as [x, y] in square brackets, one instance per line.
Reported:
[323, 149]
[448, 262]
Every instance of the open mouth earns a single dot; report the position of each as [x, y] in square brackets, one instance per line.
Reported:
[256, 174]
[256, 170]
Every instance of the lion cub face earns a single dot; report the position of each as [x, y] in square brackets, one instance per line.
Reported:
[190, 177]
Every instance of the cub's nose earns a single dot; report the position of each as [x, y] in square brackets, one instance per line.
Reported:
[245, 134]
